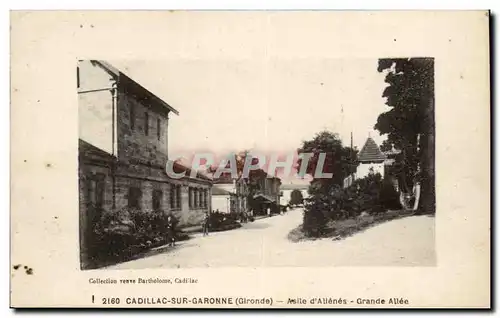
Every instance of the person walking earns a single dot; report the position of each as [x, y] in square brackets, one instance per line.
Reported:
[206, 220]
[170, 231]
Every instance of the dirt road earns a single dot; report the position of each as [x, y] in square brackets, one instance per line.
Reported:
[403, 242]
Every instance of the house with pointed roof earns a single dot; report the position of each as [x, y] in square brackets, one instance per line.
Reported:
[371, 159]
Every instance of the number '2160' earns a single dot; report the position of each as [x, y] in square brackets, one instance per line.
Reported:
[110, 301]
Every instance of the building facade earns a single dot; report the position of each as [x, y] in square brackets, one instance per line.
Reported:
[231, 195]
[123, 152]
[221, 199]
[266, 193]
[239, 201]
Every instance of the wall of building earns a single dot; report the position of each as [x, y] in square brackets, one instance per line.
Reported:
[150, 179]
[142, 156]
[145, 155]
[95, 109]
[135, 141]
[221, 203]
[238, 202]
[364, 169]
[88, 176]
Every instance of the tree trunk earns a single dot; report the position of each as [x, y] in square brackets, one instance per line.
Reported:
[427, 202]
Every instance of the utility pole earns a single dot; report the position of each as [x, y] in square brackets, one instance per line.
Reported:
[114, 145]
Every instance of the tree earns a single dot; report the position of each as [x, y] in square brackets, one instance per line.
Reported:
[386, 146]
[341, 162]
[409, 124]
[296, 197]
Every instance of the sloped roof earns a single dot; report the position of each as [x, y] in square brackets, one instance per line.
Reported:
[264, 197]
[370, 152]
[90, 151]
[134, 86]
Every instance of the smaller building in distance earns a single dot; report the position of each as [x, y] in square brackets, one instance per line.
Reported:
[370, 159]
[230, 195]
[264, 192]
[221, 199]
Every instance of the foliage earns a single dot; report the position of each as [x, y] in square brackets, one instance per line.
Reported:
[371, 195]
[245, 217]
[341, 229]
[409, 124]
[128, 231]
[222, 221]
[339, 160]
[386, 145]
[324, 193]
[296, 197]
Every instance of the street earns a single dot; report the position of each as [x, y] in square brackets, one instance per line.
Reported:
[263, 243]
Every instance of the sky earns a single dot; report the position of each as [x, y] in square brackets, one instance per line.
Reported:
[267, 104]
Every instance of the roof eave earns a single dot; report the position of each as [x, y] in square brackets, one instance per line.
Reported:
[116, 72]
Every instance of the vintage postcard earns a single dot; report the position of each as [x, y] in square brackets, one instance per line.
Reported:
[250, 159]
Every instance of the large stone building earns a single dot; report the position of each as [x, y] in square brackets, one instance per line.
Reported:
[123, 152]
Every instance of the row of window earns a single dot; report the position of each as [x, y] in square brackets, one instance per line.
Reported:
[146, 122]
[198, 198]
[175, 197]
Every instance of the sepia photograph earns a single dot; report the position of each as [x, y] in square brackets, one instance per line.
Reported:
[250, 159]
[314, 163]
